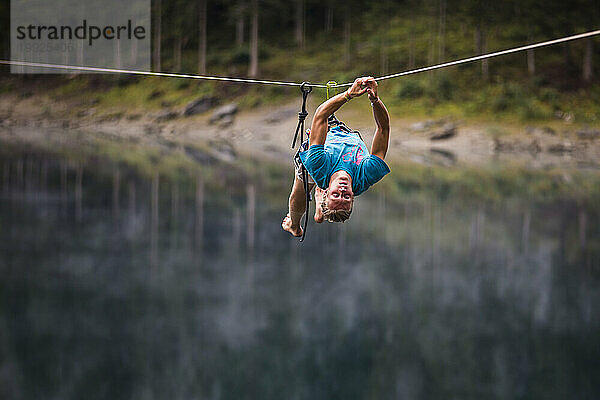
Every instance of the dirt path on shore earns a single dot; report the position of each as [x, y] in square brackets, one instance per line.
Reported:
[268, 132]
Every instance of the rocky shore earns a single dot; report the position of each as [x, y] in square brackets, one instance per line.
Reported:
[267, 132]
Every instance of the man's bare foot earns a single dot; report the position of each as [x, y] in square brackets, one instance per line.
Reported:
[319, 217]
[318, 210]
[287, 226]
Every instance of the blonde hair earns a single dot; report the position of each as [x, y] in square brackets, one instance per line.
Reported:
[334, 215]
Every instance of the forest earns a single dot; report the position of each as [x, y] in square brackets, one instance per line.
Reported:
[326, 40]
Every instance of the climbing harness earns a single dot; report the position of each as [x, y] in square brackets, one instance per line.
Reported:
[305, 88]
[333, 122]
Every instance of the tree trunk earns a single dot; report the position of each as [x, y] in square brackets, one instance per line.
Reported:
[582, 229]
[411, 48]
[383, 28]
[78, 193]
[118, 63]
[480, 48]
[299, 34]
[250, 216]
[383, 59]
[587, 60]
[202, 37]
[116, 193]
[199, 226]
[485, 64]
[567, 55]
[131, 198]
[430, 11]
[177, 54]
[531, 62]
[431, 50]
[157, 38]
[442, 31]
[253, 69]
[530, 58]
[348, 15]
[154, 221]
[175, 202]
[329, 17]
[6, 172]
[239, 30]
[134, 53]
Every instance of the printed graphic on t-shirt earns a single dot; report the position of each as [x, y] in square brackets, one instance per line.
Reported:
[355, 155]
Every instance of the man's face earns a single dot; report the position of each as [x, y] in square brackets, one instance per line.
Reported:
[340, 195]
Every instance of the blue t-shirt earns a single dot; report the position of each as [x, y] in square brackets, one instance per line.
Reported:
[344, 151]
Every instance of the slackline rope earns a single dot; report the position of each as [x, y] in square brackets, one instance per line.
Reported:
[150, 73]
[269, 82]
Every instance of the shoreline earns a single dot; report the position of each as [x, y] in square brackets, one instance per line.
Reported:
[266, 132]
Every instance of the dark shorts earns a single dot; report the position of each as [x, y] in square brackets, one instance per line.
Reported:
[298, 163]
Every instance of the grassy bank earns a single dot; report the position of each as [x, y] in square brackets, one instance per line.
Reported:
[439, 95]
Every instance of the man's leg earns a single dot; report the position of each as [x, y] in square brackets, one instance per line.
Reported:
[297, 207]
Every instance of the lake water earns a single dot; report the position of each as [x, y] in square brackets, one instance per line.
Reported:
[118, 286]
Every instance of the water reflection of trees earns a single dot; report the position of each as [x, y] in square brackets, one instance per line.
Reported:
[195, 293]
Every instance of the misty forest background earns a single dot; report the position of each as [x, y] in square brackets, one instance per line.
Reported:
[326, 40]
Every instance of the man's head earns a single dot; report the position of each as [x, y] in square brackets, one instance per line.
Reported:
[338, 199]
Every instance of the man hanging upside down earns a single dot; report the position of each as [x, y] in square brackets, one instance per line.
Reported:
[338, 160]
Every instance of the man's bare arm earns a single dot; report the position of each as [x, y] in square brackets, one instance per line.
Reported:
[318, 129]
[381, 140]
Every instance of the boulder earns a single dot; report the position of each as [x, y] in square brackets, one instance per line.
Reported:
[201, 105]
[560, 148]
[226, 121]
[448, 131]
[565, 116]
[88, 112]
[423, 125]
[223, 151]
[199, 156]
[546, 130]
[228, 110]
[588, 134]
[443, 156]
[166, 115]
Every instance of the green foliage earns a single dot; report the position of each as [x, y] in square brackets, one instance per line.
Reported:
[240, 56]
[506, 95]
[410, 89]
[383, 38]
[443, 87]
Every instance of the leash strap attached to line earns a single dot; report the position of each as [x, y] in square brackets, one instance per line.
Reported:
[331, 85]
[305, 88]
